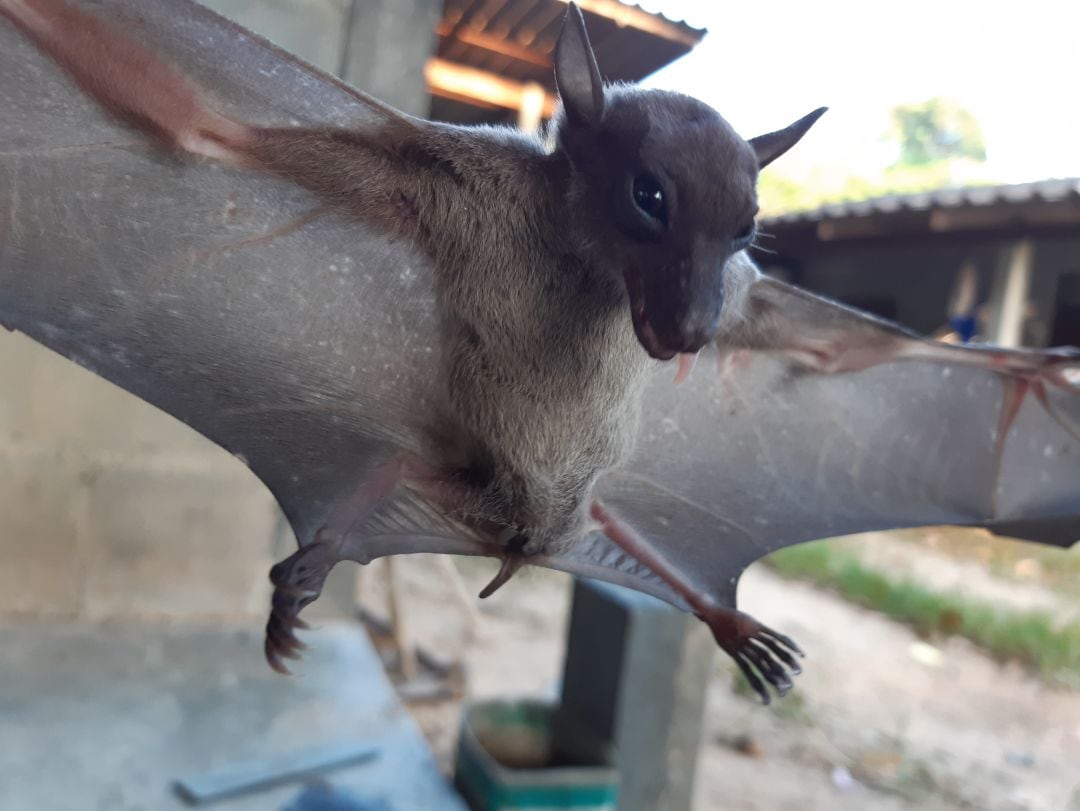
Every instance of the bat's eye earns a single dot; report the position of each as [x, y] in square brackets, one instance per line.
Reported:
[744, 237]
[649, 197]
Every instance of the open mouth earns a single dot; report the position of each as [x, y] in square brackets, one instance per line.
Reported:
[646, 333]
[643, 328]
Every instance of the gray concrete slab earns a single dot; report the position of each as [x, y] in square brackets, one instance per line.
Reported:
[105, 718]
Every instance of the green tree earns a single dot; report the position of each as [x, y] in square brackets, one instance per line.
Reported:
[938, 143]
[936, 130]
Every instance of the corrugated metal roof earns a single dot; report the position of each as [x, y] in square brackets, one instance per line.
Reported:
[1043, 191]
[515, 39]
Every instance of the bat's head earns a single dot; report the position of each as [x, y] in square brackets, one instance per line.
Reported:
[666, 189]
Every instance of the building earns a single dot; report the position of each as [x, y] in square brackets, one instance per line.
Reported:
[903, 257]
[493, 58]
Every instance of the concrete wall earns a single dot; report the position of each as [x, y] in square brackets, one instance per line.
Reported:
[111, 508]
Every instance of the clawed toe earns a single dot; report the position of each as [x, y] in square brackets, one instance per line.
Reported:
[763, 655]
[298, 581]
[281, 640]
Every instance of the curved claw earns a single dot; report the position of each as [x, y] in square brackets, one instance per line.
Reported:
[781, 654]
[298, 581]
[752, 679]
[769, 668]
[512, 561]
[775, 636]
[758, 650]
[283, 639]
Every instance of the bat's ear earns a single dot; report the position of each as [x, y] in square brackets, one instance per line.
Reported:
[576, 73]
[772, 145]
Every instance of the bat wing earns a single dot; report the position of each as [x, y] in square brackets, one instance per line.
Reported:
[298, 340]
[307, 344]
[754, 453]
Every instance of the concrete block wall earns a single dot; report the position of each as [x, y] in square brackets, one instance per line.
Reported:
[109, 507]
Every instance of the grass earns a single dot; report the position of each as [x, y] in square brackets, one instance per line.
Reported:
[1056, 569]
[1030, 637]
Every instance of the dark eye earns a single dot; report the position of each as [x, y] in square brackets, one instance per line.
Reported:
[649, 197]
[744, 237]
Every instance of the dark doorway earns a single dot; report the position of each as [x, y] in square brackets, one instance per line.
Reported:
[1066, 330]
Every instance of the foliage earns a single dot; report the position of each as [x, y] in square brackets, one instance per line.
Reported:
[938, 144]
[936, 130]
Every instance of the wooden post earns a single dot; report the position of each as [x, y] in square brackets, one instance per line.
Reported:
[1010, 296]
[531, 111]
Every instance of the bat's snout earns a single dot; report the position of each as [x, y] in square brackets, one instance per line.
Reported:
[676, 312]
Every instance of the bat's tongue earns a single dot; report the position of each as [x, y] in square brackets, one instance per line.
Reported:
[686, 366]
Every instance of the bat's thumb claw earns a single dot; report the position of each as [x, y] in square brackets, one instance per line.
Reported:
[512, 561]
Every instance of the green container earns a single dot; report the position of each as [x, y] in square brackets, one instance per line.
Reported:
[507, 759]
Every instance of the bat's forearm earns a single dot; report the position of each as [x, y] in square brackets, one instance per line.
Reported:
[363, 173]
[380, 173]
[126, 78]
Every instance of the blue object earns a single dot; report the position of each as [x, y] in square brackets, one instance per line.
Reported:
[324, 797]
[964, 326]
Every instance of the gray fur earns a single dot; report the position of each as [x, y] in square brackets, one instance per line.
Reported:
[533, 247]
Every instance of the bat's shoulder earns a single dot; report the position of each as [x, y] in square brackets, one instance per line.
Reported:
[502, 164]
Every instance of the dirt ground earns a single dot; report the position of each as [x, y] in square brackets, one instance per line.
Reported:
[879, 719]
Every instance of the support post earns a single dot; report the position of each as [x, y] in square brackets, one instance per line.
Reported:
[1010, 296]
[387, 44]
[635, 676]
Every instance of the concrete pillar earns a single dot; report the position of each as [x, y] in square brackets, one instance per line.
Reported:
[635, 676]
[387, 43]
[311, 29]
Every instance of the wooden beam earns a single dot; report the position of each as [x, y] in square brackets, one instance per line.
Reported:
[445, 78]
[499, 45]
[634, 17]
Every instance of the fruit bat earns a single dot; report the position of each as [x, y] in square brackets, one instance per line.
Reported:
[433, 338]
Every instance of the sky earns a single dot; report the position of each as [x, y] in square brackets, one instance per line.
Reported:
[1014, 65]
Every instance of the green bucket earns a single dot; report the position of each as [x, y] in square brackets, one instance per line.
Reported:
[507, 760]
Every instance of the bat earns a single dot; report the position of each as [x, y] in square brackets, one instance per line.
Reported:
[425, 337]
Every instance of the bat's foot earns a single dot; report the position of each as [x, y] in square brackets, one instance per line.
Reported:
[298, 581]
[760, 652]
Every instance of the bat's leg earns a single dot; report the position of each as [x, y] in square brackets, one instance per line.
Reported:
[298, 580]
[760, 652]
[128, 79]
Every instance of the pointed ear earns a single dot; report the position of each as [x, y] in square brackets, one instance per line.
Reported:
[772, 145]
[576, 74]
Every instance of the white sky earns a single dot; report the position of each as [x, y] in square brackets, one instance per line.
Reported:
[1014, 65]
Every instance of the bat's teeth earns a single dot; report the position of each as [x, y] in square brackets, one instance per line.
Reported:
[687, 360]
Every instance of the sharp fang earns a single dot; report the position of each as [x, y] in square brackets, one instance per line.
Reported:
[686, 366]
